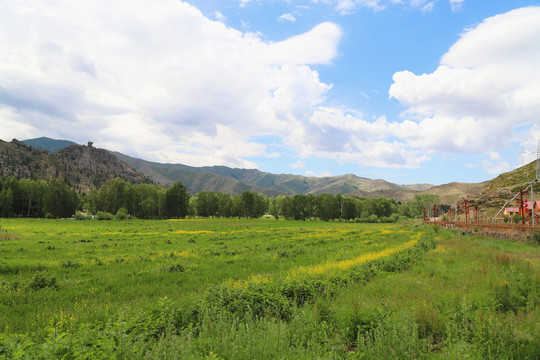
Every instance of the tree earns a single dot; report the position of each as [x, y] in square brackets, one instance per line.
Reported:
[299, 207]
[177, 201]
[274, 207]
[248, 204]
[348, 208]
[225, 205]
[207, 204]
[60, 200]
[6, 202]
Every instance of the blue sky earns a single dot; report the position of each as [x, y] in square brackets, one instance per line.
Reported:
[411, 91]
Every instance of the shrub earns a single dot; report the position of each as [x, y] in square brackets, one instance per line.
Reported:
[82, 216]
[102, 215]
[122, 214]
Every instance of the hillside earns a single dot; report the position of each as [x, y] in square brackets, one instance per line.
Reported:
[449, 193]
[505, 186]
[195, 181]
[82, 167]
[225, 179]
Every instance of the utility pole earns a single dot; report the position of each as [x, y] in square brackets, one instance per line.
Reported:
[521, 209]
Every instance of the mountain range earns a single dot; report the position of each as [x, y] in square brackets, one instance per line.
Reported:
[86, 167]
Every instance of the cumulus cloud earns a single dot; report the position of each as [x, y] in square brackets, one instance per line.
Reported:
[154, 79]
[287, 17]
[476, 101]
[486, 86]
[161, 81]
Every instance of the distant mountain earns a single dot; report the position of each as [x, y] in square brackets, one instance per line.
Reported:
[225, 179]
[51, 145]
[82, 167]
[234, 181]
[194, 180]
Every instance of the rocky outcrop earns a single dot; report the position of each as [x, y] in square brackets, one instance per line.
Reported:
[82, 167]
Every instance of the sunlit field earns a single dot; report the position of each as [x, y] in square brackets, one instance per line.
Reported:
[98, 266]
[231, 289]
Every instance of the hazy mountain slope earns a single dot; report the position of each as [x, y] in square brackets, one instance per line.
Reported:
[254, 179]
[235, 181]
[82, 167]
[449, 193]
[195, 181]
[51, 145]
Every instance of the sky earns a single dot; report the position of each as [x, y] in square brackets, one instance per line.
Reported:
[410, 91]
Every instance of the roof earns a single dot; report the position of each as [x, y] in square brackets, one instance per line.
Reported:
[528, 206]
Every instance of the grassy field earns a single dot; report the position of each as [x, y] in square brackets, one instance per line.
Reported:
[263, 289]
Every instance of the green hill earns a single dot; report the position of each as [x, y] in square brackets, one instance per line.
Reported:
[51, 145]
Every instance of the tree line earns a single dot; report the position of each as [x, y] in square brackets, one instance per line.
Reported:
[55, 199]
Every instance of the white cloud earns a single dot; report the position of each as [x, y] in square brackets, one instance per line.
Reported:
[345, 7]
[219, 16]
[456, 5]
[154, 79]
[317, 46]
[321, 174]
[287, 17]
[486, 86]
[297, 165]
[495, 167]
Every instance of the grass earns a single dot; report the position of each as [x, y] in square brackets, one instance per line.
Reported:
[97, 267]
[470, 297]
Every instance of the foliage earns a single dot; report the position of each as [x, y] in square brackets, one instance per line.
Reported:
[228, 295]
[82, 216]
[102, 215]
[122, 214]
[177, 201]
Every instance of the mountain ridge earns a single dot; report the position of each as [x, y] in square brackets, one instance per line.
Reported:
[489, 194]
[82, 167]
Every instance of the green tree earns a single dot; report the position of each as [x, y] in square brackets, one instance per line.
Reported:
[177, 201]
[207, 204]
[248, 204]
[60, 200]
[6, 202]
[225, 205]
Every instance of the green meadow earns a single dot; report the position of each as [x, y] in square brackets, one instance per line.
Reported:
[263, 289]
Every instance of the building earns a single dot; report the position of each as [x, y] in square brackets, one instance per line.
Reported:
[528, 208]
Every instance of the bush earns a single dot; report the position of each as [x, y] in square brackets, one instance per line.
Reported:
[82, 216]
[102, 215]
[49, 216]
[122, 214]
